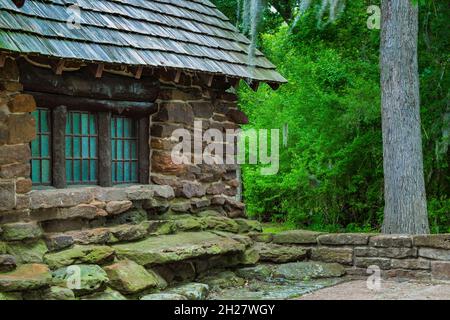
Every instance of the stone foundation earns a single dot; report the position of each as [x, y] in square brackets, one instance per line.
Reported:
[423, 257]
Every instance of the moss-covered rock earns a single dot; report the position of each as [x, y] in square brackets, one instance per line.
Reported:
[296, 237]
[26, 277]
[223, 280]
[7, 263]
[192, 291]
[10, 296]
[270, 252]
[28, 252]
[129, 277]
[178, 247]
[82, 279]
[160, 227]
[52, 293]
[220, 223]
[246, 225]
[189, 223]
[164, 296]
[21, 231]
[260, 272]
[79, 255]
[3, 248]
[109, 294]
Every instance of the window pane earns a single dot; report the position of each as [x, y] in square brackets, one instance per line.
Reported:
[124, 150]
[81, 165]
[41, 149]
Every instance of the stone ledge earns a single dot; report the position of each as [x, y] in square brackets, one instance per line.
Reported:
[72, 197]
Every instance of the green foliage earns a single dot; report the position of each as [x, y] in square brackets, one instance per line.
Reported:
[331, 172]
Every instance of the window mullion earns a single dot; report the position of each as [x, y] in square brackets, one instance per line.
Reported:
[144, 150]
[59, 115]
[104, 150]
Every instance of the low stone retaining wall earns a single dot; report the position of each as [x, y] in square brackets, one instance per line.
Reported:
[424, 257]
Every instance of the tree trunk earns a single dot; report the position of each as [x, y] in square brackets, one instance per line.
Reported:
[405, 200]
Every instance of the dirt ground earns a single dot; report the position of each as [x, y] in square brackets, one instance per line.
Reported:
[390, 290]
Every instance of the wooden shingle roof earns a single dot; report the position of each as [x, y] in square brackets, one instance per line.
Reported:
[183, 34]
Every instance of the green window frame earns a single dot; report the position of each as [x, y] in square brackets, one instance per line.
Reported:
[41, 151]
[124, 150]
[81, 148]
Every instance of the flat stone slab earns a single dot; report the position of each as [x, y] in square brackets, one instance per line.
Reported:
[26, 277]
[296, 237]
[389, 290]
[178, 247]
[308, 270]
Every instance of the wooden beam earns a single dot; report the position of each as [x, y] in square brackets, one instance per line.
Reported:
[99, 71]
[59, 116]
[178, 76]
[49, 100]
[144, 150]
[58, 67]
[104, 149]
[80, 83]
[138, 74]
[210, 80]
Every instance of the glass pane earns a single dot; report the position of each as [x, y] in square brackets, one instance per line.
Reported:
[126, 128]
[93, 147]
[35, 150]
[45, 148]
[113, 172]
[126, 152]
[127, 173]
[76, 148]
[69, 170]
[36, 171]
[93, 129]
[113, 149]
[85, 147]
[68, 147]
[119, 149]
[44, 121]
[76, 170]
[85, 170]
[120, 172]
[93, 170]
[134, 177]
[76, 123]
[119, 127]
[45, 171]
[134, 150]
[84, 124]
[69, 124]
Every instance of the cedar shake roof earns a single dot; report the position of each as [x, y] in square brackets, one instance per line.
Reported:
[190, 35]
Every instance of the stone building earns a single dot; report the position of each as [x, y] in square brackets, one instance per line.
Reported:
[89, 97]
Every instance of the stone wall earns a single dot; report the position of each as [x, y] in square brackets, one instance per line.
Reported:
[180, 104]
[422, 257]
[17, 130]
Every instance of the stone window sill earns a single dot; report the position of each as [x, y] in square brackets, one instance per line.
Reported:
[47, 198]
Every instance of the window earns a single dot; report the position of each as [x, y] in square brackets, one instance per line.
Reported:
[41, 149]
[74, 147]
[81, 148]
[124, 143]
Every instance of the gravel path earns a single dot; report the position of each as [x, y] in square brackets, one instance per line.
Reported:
[390, 290]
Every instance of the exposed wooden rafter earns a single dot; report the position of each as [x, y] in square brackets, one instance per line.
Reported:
[58, 67]
[138, 73]
[178, 76]
[99, 71]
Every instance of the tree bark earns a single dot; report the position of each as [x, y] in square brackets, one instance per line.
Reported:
[405, 199]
